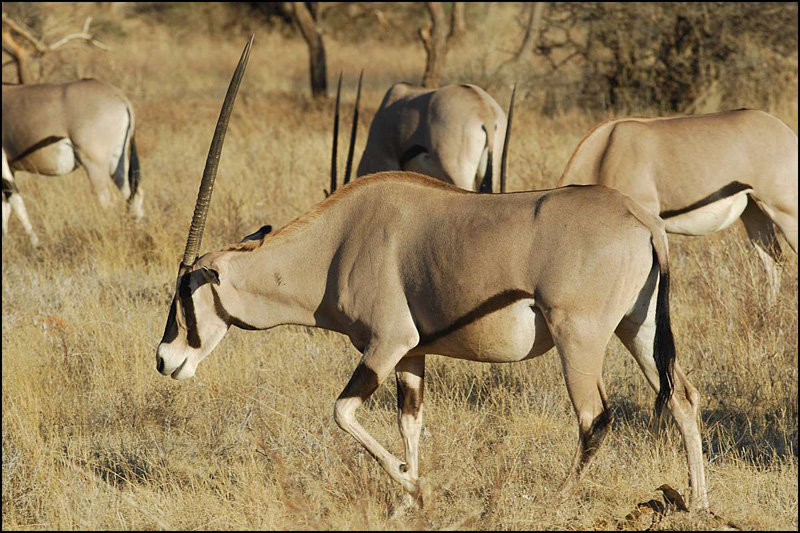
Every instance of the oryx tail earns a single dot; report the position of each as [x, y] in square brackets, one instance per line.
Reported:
[133, 170]
[129, 152]
[664, 343]
[488, 177]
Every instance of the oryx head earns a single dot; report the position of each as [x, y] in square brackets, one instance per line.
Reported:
[195, 324]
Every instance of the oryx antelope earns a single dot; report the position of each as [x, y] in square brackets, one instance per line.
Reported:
[701, 173]
[454, 133]
[406, 265]
[50, 129]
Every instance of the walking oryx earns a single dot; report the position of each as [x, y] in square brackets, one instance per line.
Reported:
[451, 133]
[51, 128]
[406, 265]
[701, 173]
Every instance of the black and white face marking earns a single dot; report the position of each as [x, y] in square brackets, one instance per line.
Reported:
[194, 324]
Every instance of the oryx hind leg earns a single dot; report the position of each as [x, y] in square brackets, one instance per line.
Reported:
[582, 352]
[410, 374]
[637, 332]
[380, 358]
[12, 201]
[100, 180]
[762, 235]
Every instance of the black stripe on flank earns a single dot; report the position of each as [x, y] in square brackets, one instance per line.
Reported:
[410, 154]
[226, 317]
[496, 302]
[538, 206]
[730, 189]
[38, 146]
[185, 294]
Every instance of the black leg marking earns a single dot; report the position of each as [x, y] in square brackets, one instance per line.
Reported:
[362, 384]
[9, 188]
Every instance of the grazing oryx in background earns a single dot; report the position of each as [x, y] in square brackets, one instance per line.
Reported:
[406, 265]
[701, 173]
[452, 133]
[52, 128]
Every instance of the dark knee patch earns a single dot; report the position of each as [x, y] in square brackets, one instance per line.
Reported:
[362, 383]
[9, 188]
[597, 432]
[409, 400]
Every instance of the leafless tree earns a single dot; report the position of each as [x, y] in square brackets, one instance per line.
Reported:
[532, 32]
[21, 56]
[458, 23]
[306, 15]
[434, 38]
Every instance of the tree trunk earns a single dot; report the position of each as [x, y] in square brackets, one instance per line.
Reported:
[458, 24]
[434, 38]
[531, 34]
[316, 48]
[19, 55]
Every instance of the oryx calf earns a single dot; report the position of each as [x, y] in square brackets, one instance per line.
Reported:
[52, 128]
[701, 173]
[405, 265]
[454, 133]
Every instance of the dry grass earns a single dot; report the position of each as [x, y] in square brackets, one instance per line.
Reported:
[94, 438]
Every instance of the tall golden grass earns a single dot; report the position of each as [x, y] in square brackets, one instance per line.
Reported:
[94, 438]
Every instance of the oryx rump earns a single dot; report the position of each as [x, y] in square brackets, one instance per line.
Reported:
[406, 265]
[454, 133]
[50, 129]
[701, 173]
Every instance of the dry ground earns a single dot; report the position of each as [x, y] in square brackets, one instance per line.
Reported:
[93, 437]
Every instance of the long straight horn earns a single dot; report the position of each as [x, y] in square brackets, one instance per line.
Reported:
[335, 135]
[505, 142]
[349, 165]
[212, 162]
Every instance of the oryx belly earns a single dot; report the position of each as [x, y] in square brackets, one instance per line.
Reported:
[709, 218]
[512, 333]
[55, 159]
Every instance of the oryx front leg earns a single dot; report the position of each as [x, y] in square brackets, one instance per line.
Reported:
[378, 361]
[582, 363]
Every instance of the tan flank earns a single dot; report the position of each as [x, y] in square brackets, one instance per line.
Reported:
[701, 173]
[51, 129]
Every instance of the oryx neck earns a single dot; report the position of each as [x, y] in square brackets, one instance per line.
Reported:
[288, 271]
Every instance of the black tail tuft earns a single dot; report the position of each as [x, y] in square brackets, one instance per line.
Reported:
[133, 170]
[664, 345]
[486, 185]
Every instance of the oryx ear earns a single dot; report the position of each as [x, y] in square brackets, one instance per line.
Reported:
[258, 235]
[211, 275]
